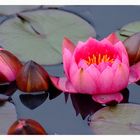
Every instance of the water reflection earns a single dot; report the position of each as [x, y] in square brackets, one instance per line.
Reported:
[33, 101]
[6, 91]
[84, 105]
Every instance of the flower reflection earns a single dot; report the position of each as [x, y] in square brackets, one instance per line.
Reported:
[85, 106]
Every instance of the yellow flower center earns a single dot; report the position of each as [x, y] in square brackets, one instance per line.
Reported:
[98, 59]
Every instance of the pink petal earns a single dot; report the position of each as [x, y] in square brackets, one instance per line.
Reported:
[120, 78]
[68, 48]
[94, 72]
[90, 47]
[106, 98]
[106, 41]
[63, 84]
[1, 48]
[113, 38]
[67, 56]
[6, 71]
[134, 73]
[119, 46]
[68, 44]
[115, 64]
[105, 81]
[82, 80]
[83, 64]
[102, 66]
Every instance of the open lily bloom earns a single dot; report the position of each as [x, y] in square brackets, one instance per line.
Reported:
[98, 68]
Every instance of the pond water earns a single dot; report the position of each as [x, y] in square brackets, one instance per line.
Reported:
[60, 117]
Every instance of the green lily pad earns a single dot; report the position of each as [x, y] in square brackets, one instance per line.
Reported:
[7, 117]
[128, 30]
[121, 119]
[12, 9]
[38, 35]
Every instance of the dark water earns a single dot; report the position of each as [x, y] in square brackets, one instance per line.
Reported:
[59, 117]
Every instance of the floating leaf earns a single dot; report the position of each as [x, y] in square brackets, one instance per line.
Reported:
[40, 39]
[120, 119]
[128, 30]
[7, 117]
[12, 9]
[33, 101]
[26, 126]
[132, 45]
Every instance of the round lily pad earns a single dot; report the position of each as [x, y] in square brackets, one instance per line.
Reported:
[121, 119]
[12, 9]
[132, 45]
[37, 35]
[128, 30]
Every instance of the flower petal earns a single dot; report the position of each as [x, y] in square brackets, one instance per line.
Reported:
[63, 84]
[68, 44]
[68, 48]
[120, 78]
[122, 52]
[67, 56]
[105, 81]
[112, 38]
[94, 72]
[82, 80]
[6, 71]
[106, 98]
[83, 64]
[134, 73]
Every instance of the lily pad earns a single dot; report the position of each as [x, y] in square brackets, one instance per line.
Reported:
[7, 117]
[132, 45]
[128, 30]
[12, 9]
[37, 35]
[121, 119]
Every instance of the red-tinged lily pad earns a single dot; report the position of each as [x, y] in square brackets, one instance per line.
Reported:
[121, 119]
[37, 35]
[132, 45]
[7, 117]
[128, 30]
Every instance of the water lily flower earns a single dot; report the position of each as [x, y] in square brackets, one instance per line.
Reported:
[9, 66]
[32, 77]
[98, 68]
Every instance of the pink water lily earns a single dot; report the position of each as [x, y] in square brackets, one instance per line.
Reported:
[98, 68]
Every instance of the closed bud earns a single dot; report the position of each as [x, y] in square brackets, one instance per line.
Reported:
[9, 66]
[32, 78]
[26, 126]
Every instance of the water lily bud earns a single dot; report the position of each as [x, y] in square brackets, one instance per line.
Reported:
[9, 66]
[26, 126]
[32, 78]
